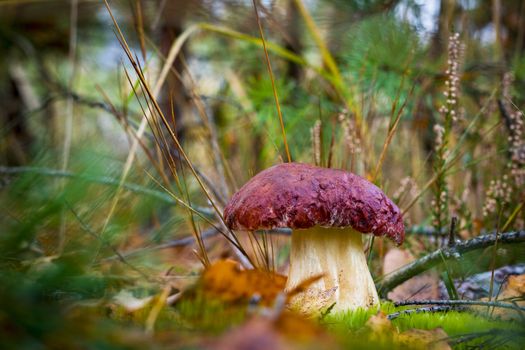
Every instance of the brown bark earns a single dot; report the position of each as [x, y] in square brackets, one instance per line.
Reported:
[293, 42]
[174, 100]
[445, 21]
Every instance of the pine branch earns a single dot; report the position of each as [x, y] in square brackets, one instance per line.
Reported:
[390, 281]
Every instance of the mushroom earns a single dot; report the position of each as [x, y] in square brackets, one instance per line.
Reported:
[328, 210]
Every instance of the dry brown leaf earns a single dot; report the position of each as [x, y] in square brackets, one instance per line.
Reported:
[380, 324]
[513, 289]
[380, 330]
[423, 286]
[227, 281]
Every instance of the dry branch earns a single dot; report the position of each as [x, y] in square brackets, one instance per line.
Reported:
[390, 281]
[462, 302]
[441, 308]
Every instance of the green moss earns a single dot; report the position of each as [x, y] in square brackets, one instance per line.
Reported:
[349, 320]
[465, 328]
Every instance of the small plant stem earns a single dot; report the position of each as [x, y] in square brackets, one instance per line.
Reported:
[332, 144]
[156, 309]
[512, 216]
[392, 129]
[139, 27]
[452, 232]
[494, 254]
[274, 89]
[370, 247]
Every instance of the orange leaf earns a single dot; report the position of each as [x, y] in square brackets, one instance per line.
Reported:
[226, 280]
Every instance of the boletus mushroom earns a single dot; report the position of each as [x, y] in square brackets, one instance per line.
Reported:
[328, 210]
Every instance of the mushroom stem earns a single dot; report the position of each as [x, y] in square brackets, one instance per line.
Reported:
[337, 254]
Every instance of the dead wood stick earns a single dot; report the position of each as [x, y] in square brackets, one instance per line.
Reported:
[390, 281]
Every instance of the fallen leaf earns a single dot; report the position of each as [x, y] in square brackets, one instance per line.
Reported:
[514, 288]
[227, 281]
[380, 324]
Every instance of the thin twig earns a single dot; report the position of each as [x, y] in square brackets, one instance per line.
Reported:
[512, 216]
[440, 308]
[494, 254]
[461, 302]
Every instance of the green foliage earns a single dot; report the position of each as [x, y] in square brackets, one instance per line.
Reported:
[355, 319]
[370, 63]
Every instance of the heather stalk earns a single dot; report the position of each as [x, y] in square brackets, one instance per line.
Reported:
[442, 130]
[509, 188]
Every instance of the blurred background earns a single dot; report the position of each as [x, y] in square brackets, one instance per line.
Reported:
[121, 145]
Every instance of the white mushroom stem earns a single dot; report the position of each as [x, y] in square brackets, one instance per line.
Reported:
[338, 255]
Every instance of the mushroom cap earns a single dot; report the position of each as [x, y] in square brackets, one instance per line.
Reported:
[301, 196]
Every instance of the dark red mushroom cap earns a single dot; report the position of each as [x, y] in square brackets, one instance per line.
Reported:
[300, 196]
